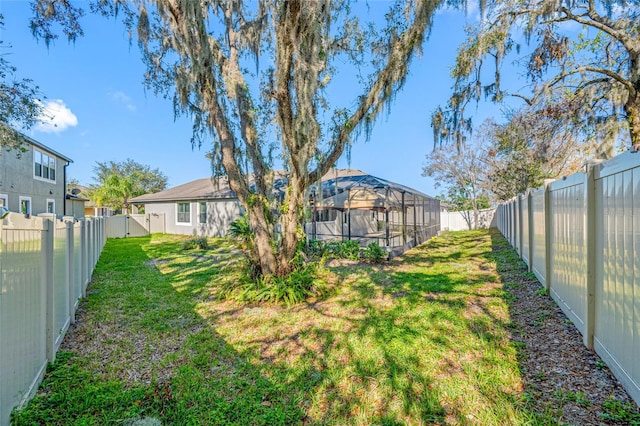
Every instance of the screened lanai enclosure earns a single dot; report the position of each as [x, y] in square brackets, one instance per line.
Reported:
[351, 205]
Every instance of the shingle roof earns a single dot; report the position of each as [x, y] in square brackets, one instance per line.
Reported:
[41, 145]
[200, 189]
[218, 188]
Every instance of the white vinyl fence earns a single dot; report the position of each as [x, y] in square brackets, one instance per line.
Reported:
[45, 267]
[134, 225]
[465, 220]
[581, 237]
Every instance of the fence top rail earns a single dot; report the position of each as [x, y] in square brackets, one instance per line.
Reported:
[568, 181]
[20, 222]
[621, 163]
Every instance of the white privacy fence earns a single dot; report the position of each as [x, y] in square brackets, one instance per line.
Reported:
[45, 267]
[580, 236]
[134, 225]
[465, 220]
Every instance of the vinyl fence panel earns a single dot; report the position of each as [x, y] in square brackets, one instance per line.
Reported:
[137, 225]
[45, 265]
[568, 247]
[465, 220]
[524, 218]
[584, 234]
[538, 228]
[617, 308]
[62, 310]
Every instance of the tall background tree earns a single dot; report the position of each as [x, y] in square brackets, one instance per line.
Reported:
[584, 54]
[463, 173]
[118, 182]
[531, 146]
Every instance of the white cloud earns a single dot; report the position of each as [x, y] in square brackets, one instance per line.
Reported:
[56, 117]
[124, 99]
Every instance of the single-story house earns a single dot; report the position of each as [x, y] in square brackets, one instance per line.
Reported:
[345, 204]
[203, 207]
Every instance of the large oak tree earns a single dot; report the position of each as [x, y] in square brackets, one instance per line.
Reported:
[259, 78]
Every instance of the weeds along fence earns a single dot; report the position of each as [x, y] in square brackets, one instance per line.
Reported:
[580, 236]
[45, 267]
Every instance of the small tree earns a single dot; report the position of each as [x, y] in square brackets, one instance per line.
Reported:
[116, 191]
[462, 172]
[533, 145]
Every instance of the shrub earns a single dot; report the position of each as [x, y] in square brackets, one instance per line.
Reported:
[302, 283]
[315, 248]
[343, 249]
[199, 242]
[374, 253]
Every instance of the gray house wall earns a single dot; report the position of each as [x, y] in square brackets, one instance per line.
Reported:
[17, 179]
[75, 208]
[220, 213]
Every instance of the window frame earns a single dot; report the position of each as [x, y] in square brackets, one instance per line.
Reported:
[28, 199]
[52, 201]
[46, 172]
[182, 223]
[5, 198]
[200, 213]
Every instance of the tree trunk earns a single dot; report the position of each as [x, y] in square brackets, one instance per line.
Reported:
[290, 221]
[632, 108]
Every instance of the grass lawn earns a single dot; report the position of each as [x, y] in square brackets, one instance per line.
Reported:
[422, 340]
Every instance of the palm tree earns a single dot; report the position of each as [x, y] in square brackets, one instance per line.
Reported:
[116, 191]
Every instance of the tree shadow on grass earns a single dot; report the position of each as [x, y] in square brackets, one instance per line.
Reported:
[412, 308]
[564, 382]
[404, 343]
[140, 349]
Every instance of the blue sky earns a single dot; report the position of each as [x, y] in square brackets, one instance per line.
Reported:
[103, 112]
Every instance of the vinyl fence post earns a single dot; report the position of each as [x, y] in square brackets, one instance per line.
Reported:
[591, 237]
[48, 230]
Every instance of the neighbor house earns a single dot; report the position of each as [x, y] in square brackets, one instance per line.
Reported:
[33, 179]
[346, 204]
[89, 208]
[203, 207]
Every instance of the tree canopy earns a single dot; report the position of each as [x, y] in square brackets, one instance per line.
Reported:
[585, 54]
[118, 182]
[258, 80]
[20, 106]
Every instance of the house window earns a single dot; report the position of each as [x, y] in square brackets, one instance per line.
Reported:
[25, 205]
[51, 206]
[44, 166]
[203, 212]
[4, 200]
[184, 213]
